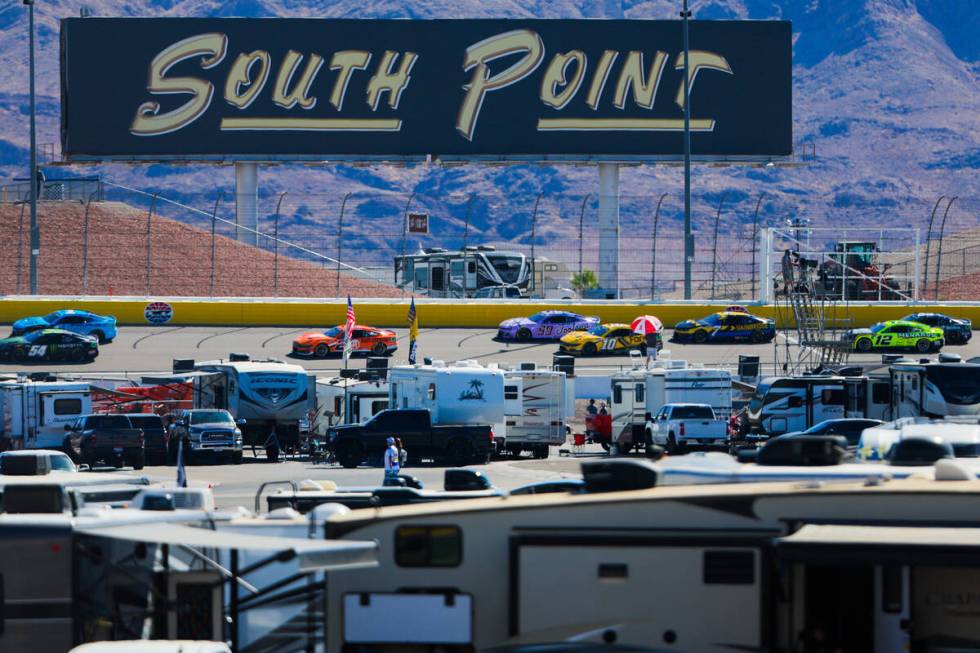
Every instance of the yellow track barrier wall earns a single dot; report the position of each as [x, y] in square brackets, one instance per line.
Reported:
[484, 315]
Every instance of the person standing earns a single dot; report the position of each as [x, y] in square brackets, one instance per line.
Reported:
[652, 339]
[392, 462]
[272, 447]
[592, 410]
[402, 454]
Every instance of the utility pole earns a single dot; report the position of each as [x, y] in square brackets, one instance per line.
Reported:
[35, 232]
[688, 237]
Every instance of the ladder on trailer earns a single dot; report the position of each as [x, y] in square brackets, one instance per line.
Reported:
[818, 324]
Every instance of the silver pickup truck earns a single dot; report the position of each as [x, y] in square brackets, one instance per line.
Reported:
[676, 426]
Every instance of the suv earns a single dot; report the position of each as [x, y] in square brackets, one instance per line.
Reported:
[499, 292]
[206, 431]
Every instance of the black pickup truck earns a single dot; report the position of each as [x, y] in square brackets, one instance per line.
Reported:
[458, 445]
[108, 438]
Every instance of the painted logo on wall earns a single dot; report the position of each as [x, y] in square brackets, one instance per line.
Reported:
[158, 312]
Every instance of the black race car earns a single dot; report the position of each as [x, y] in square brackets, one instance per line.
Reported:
[957, 330]
[49, 345]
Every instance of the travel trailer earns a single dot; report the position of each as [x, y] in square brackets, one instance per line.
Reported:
[35, 412]
[267, 394]
[347, 401]
[462, 393]
[935, 389]
[537, 404]
[641, 392]
[879, 566]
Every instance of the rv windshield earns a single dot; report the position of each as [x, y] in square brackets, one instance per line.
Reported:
[508, 267]
[760, 392]
[211, 417]
[959, 384]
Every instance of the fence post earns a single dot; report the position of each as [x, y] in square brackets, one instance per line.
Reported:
[275, 245]
[149, 250]
[939, 255]
[466, 228]
[214, 217]
[932, 217]
[755, 240]
[408, 205]
[653, 250]
[915, 269]
[534, 224]
[714, 253]
[340, 238]
[85, 242]
[581, 224]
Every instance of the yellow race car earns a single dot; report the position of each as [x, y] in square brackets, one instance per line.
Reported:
[604, 338]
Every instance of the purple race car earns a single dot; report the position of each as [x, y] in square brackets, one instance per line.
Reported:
[546, 325]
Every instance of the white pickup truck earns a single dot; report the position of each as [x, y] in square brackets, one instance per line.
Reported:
[676, 426]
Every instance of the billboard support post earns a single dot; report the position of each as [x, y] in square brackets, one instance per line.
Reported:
[247, 199]
[688, 236]
[33, 177]
[609, 229]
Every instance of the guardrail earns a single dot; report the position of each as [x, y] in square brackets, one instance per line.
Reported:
[432, 313]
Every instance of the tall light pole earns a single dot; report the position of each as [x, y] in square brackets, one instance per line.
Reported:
[35, 234]
[688, 237]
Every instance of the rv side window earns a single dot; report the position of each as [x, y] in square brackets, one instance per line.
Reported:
[336, 405]
[378, 406]
[729, 568]
[432, 391]
[394, 395]
[67, 406]
[471, 267]
[638, 393]
[422, 278]
[915, 383]
[510, 392]
[880, 393]
[795, 402]
[617, 394]
[428, 546]
[891, 589]
[833, 397]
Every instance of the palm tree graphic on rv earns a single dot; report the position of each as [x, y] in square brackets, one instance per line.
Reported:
[475, 393]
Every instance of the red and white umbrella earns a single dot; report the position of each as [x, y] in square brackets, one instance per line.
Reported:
[646, 324]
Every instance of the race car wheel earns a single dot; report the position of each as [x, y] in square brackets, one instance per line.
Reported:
[758, 336]
[700, 337]
[19, 354]
[524, 334]
[923, 346]
[321, 351]
[100, 336]
[77, 355]
[590, 348]
[379, 349]
[863, 345]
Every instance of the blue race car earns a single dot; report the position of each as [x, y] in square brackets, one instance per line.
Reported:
[85, 323]
[726, 326]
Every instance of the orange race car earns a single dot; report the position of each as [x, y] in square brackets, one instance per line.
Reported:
[365, 340]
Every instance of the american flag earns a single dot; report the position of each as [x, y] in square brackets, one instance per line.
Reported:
[349, 329]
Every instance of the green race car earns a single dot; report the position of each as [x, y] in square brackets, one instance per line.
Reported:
[896, 334]
[49, 345]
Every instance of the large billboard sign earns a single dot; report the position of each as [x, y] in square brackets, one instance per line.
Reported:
[199, 88]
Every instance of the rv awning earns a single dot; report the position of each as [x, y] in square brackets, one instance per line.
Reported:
[312, 554]
[841, 544]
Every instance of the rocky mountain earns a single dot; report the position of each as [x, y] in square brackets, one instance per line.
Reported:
[886, 95]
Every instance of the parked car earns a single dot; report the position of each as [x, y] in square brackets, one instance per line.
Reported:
[676, 426]
[154, 436]
[364, 340]
[499, 292]
[49, 345]
[111, 439]
[13, 462]
[848, 427]
[205, 432]
[957, 330]
[726, 327]
[545, 325]
[85, 323]
[457, 444]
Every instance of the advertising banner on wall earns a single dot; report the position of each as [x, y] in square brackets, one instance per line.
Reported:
[201, 88]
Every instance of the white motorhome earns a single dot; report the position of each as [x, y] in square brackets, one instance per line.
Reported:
[35, 412]
[537, 403]
[935, 389]
[462, 393]
[641, 392]
[880, 567]
[347, 401]
[267, 394]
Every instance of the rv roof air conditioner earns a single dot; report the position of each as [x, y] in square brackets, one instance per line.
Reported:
[238, 357]
[802, 451]
[465, 480]
[950, 358]
[469, 248]
[487, 248]
[676, 365]
[17, 464]
[528, 367]
[919, 451]
[618, 475]
[42, 377]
